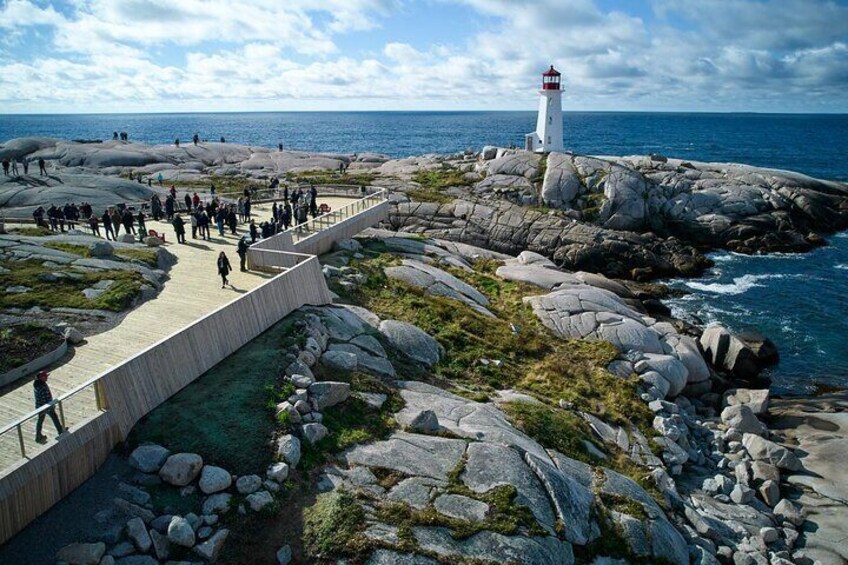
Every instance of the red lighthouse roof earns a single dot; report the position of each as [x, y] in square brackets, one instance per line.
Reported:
[552, 72]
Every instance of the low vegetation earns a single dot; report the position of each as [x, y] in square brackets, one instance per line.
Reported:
[66, 290]
[433, 183]
[334, 526]
[324, 176]
[34, 231]
[22, 343]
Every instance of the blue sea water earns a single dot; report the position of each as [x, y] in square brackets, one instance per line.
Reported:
[799, 301]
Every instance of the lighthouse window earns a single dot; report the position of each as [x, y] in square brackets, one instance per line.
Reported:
[549, 140]
[550, 120]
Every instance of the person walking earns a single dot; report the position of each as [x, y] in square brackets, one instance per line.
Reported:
[43, 397]
[170, 206]
[194, 224]
[26, 165]
[15, 166]
[116, 222]
[160, 178]
[179, 228]
[195, 200]
[287, 216]
[224, 268]
[220, 219]
[94, 224]
[232, 219]
[142, 227]
[242, 252]
[203, 223]
[107, 226]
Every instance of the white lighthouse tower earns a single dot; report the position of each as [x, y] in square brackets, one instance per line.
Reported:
[548, 134]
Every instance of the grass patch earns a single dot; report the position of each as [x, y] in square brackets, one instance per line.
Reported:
[34, 231]
[22, 343]
[326, 176]
[333, 526]
[67, 292]
[434, 181]
[72, 248]
[221, 415]
[552, 427]
[148, 257]
[593, 204]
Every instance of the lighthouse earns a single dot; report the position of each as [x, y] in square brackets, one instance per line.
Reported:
[548, 134]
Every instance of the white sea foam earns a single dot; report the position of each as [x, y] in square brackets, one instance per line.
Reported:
[739, 285]
[842, 267]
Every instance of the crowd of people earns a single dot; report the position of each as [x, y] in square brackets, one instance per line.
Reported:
[10, 167]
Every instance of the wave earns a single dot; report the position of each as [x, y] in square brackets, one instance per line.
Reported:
[842, 267]
[739, 285]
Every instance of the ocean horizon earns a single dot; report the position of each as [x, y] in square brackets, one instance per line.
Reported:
[797, 300]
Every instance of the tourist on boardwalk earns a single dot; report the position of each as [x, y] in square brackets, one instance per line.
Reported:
[179, 228]
[173, 192]
[232, 219]
[69, 215]
[86, 210]
[170, 205]
[220, 220]
[247, 208]
[43, 397]
[287, 216]
[203, 224]
[224, 268]
[107, 225]
[286, 193]
[142, 226]
[195, 200]
[38, 216]
[194, 224]
[42, 166]
[156, 207]
[241, 209]
[187, 199]
[51, 217]
[254, 232]
[128, 221]
[242, 252]
[117, 218]
[275, 212]
[94, 224]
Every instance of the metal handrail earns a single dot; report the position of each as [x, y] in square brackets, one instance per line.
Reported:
[100, 397]
[356, 206]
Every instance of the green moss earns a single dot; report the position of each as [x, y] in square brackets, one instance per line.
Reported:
[148, 257]
[34, 231]
[348, 424]
[433, 182]
[325, 176]
[72, 248]
[67, 292]
[333, 526]
[552, 427]
[22, 343]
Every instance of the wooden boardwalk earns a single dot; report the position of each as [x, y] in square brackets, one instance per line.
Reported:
[193, 290]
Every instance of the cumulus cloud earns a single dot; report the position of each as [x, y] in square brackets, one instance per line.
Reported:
[267, 54]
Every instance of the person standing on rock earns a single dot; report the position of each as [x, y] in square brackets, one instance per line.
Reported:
[142, 227]
[43, 397]
[94, 224]
[26, 165]
[160, 179]
[15, 166]
[42, 167]
[116, 222]
[179, 228]
[127, 220]
[242, 252]
[107, 225]
[224, 268]
[6, 167]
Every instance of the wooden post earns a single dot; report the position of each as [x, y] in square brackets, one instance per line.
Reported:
[21, 441]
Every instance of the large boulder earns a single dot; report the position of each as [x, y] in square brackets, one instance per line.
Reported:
[181, 469]
[82, 553]
[180, 532]
[288, 448]
[761, 449]
[414, 342]
[214, 479]
[328, 393]
[755, 399]
[148, 458]
[729, 353]
[741, 417]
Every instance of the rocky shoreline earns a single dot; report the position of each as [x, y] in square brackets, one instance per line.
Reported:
[730, 489]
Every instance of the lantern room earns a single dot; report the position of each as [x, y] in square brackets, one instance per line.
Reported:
[550, 79]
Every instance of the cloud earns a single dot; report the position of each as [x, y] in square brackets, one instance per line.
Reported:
[267, 54]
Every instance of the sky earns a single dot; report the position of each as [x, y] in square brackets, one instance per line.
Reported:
[92, 56]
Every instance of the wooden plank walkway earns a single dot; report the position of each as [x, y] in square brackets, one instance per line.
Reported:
[193, 290]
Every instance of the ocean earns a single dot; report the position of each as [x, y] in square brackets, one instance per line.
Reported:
[799, 301]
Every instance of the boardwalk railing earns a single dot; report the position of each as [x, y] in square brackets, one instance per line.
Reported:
[35, 481]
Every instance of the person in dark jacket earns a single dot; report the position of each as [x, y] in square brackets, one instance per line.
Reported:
[287, 216]
[43, 397]
[188, 202]
[254, 232]
[170, 206]
[242, 252]
[232, 219]
[94, 224]
[179, 228]
[224, 268]
[142, 226]
[107, 226]
[127, 220]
